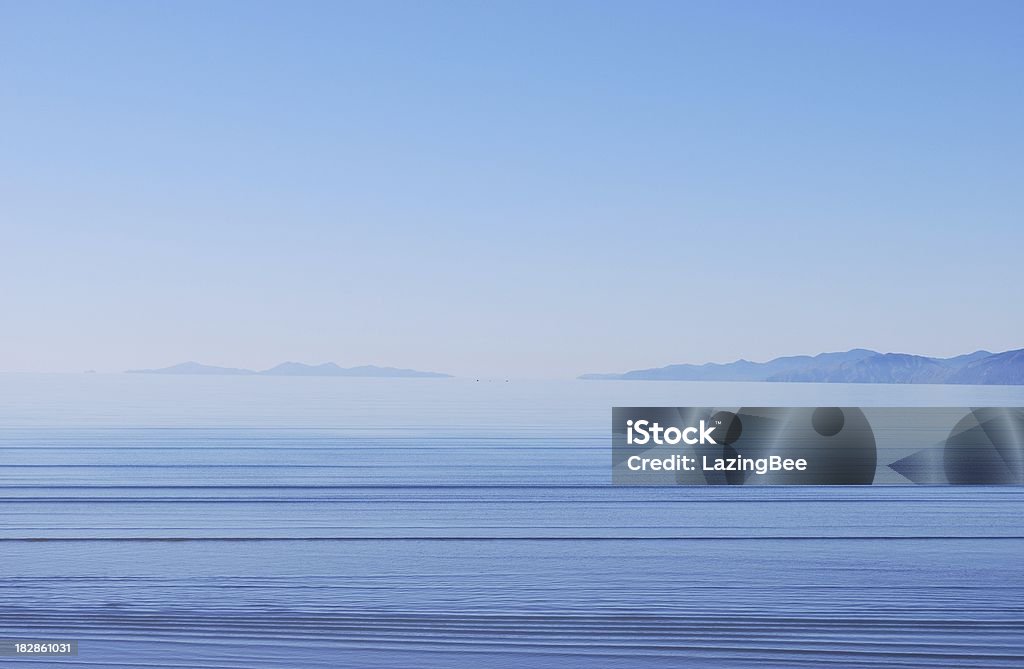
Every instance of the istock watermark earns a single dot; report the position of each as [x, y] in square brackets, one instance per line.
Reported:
[817, 446]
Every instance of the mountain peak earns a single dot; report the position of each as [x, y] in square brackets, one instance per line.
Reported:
[293, 369]
[193, 367]
[854, 366]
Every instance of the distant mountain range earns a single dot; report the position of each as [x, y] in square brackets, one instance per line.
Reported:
[856, 366]
[293, 369]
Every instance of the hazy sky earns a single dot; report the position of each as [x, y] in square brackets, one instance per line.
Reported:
[507, 189]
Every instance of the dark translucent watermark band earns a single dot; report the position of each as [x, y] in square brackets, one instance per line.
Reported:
[817, 446]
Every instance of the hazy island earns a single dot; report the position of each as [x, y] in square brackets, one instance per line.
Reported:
[855, 366]
[294, 369]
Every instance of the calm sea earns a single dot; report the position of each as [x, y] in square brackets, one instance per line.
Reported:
[324, 522]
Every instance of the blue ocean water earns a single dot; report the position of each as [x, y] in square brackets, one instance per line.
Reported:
[322, 522]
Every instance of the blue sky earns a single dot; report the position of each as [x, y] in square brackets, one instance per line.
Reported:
[507, 189]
